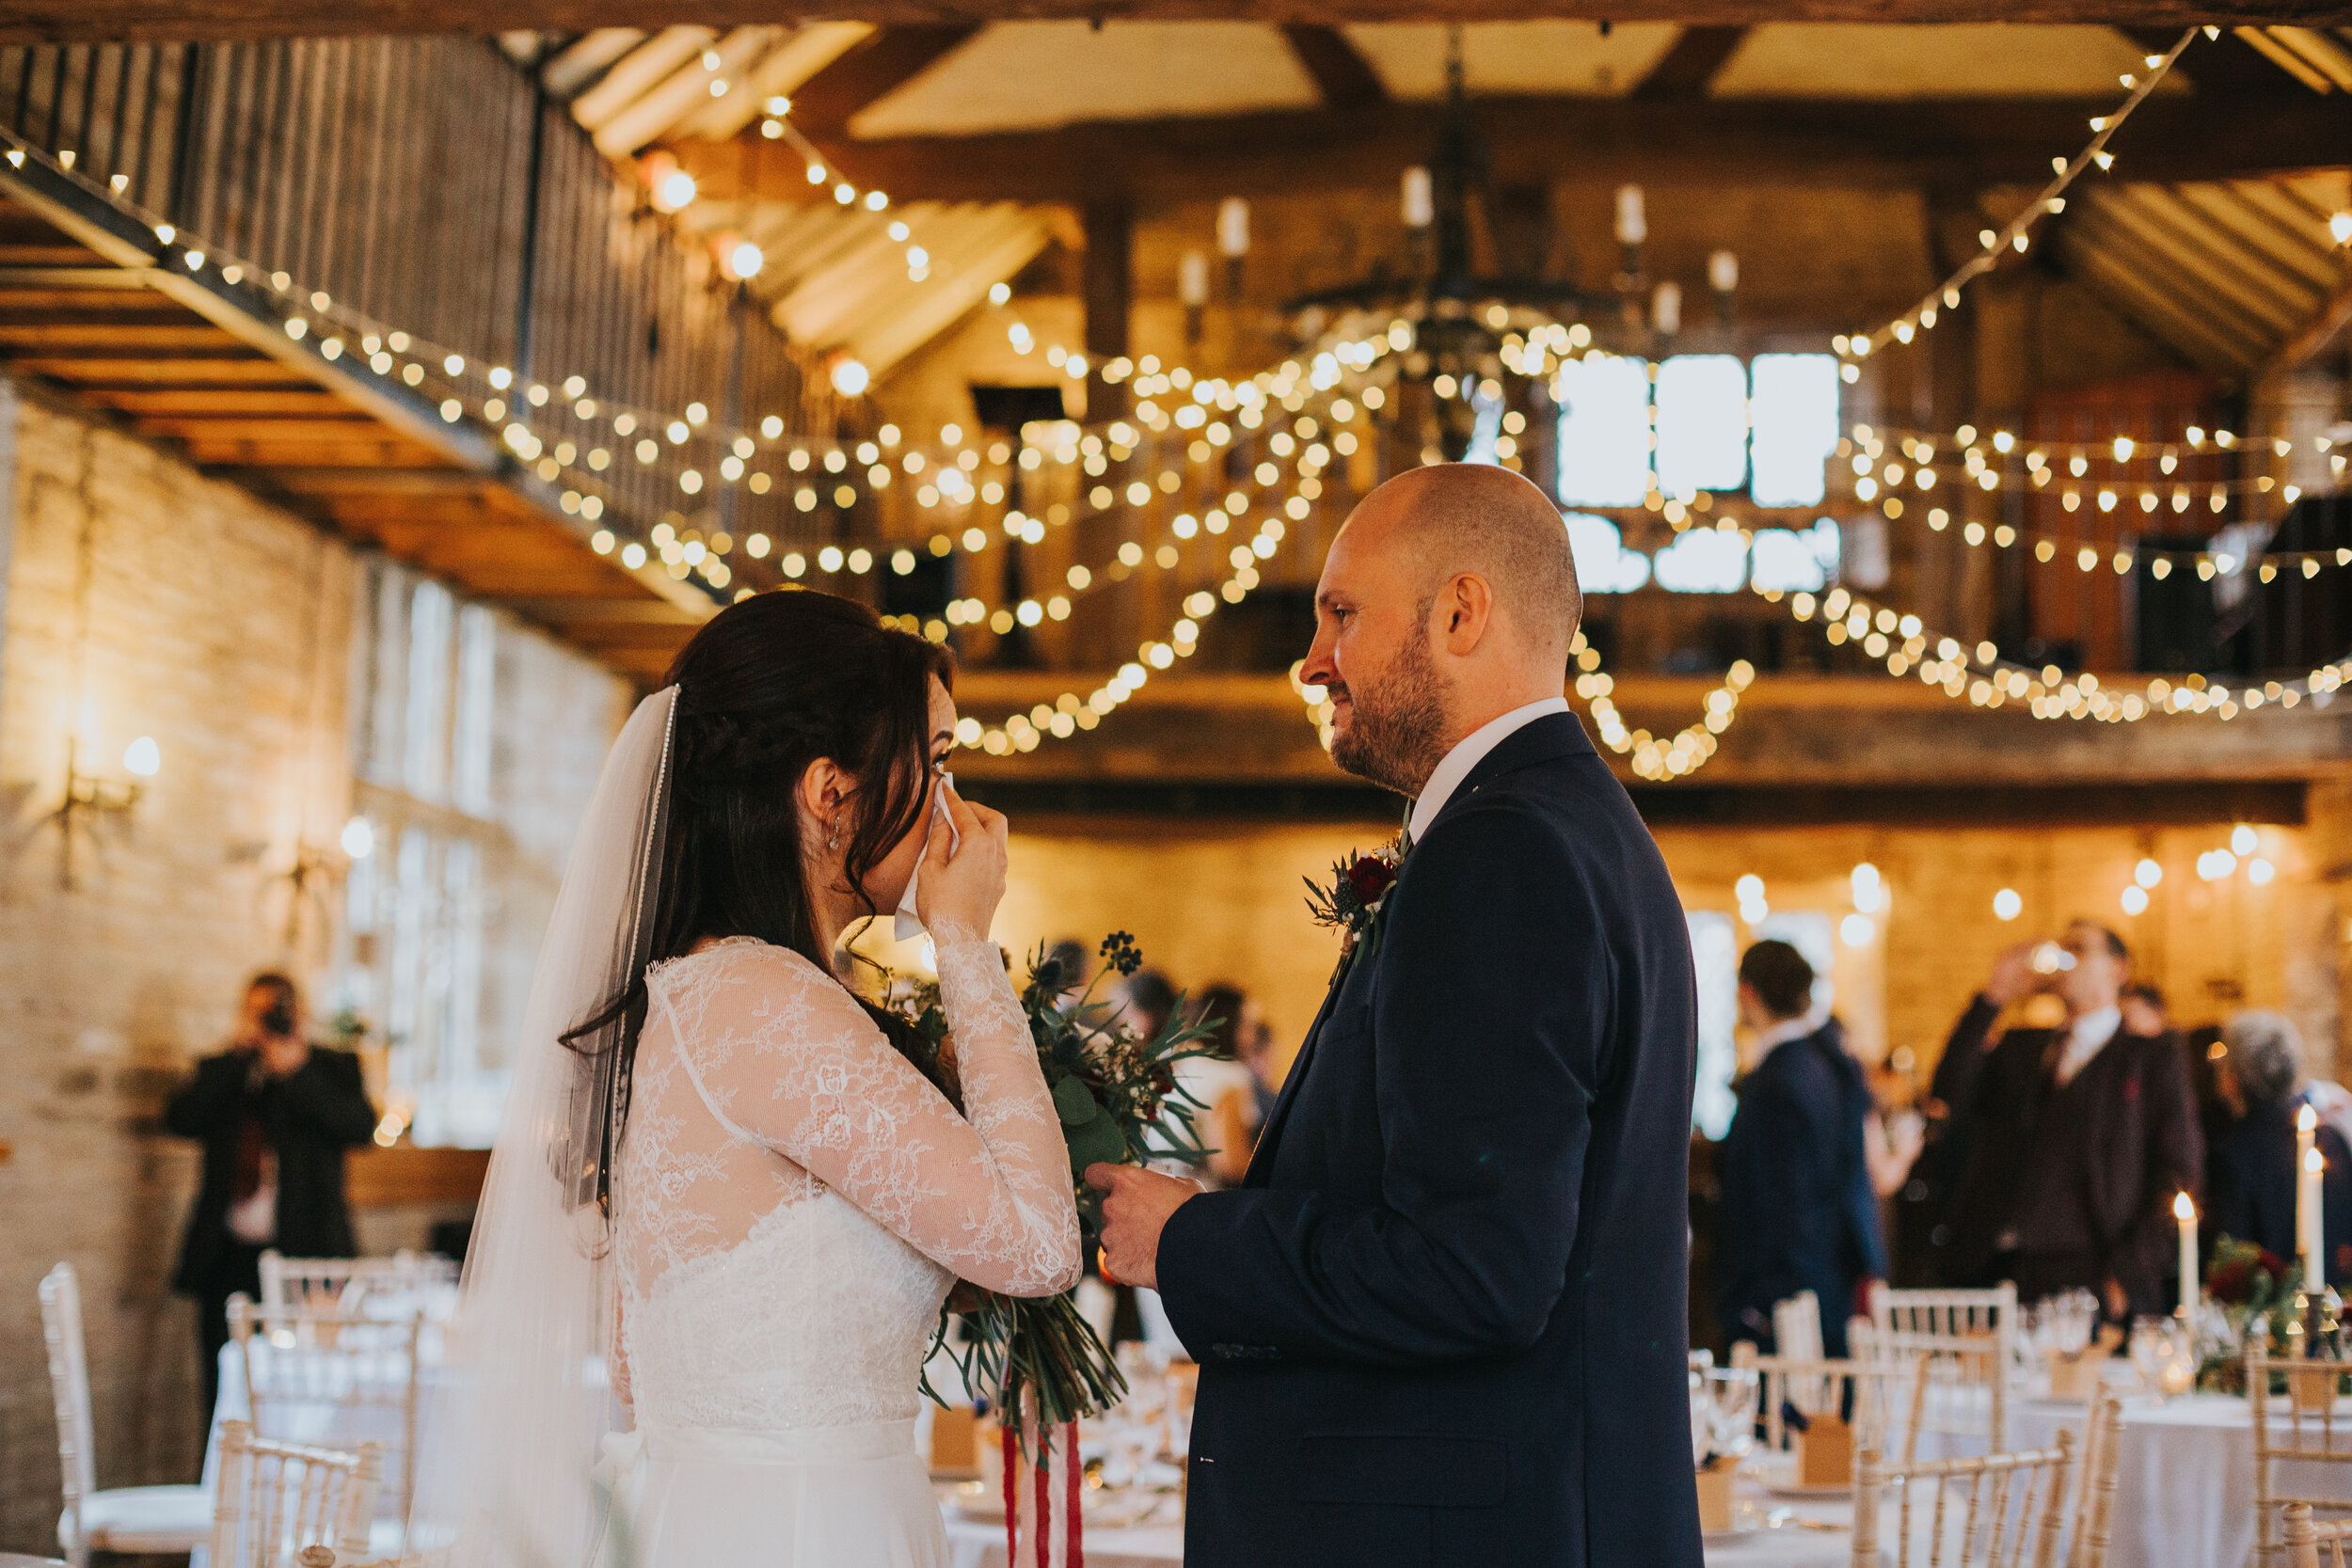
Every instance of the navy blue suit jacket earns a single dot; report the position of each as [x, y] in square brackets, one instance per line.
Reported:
[1799, 1212]
[1444, 1320]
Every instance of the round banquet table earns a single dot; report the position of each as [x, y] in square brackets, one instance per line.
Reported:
[2184, 1475]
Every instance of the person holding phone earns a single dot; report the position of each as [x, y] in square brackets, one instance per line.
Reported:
[2078, 1137]
[274, 1114]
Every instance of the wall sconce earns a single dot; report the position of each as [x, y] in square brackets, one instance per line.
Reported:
[90, 800]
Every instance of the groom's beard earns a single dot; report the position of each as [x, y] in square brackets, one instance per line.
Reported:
[1396, 736]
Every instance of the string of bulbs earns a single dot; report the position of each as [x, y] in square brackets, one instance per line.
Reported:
[2013, 236]
[1981, 677]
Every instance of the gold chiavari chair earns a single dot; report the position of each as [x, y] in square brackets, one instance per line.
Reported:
[340, 1284]
[1973, 1333]
[2094, 1507]
[275, 1498]
[311, 1374]
[2013, 1501]
[2304, 1536]
[1866, 1393]
[2310, 1433]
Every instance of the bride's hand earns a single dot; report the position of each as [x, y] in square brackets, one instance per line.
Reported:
[959, 891]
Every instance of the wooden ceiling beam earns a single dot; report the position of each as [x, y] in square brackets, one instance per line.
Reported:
[112, 21]
[1689, 68]
[1796, 141]
[870, 70]
[1342, 75]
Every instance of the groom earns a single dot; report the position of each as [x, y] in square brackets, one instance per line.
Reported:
[1442, 1321]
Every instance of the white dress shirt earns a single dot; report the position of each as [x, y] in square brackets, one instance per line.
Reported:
[1467, 753]
[1786, 1030]
[2086, 1039]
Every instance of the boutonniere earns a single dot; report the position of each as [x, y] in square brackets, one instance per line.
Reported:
[1356, 899]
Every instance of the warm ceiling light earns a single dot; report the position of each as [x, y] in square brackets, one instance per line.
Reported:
[849, 377]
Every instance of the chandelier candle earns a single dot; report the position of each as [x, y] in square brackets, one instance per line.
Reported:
[2308, 1167]
[2186, 1211]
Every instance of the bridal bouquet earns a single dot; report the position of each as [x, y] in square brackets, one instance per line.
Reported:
[1119, 1104]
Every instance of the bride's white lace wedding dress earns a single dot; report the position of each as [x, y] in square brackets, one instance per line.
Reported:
[795, 1201]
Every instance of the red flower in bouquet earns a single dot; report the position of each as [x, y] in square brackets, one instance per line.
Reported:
[1369, 878]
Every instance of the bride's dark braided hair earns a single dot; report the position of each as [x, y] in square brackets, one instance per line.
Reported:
[769, 686]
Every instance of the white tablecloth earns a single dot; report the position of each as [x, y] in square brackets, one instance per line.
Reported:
[2184, 1476]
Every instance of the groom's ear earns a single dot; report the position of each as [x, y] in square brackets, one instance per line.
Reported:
[1465, 610]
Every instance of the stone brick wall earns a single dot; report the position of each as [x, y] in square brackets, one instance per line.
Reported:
[143, 599]
[1213, 901]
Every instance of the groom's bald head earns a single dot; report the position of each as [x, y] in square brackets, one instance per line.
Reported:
[1471, 517]
[1447, 601]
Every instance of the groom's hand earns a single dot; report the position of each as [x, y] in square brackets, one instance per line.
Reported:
[1135, 1206]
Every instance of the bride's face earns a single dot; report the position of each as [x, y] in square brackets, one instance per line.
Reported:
[887, 882]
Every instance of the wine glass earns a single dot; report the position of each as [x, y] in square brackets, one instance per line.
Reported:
[2151, 1351]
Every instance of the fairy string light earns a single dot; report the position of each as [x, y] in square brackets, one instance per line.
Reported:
[2013, 235]
[1980, 676]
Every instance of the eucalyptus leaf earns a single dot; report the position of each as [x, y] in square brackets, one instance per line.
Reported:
[1096, 1142]
[1075, 1103]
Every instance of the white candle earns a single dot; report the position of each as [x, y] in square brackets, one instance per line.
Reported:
[2307, 1198]
[2186, 1211]
[2314, 1248]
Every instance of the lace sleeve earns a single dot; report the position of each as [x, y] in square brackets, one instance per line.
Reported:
[787, 1058]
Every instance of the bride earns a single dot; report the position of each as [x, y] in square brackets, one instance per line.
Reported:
[725, 1208]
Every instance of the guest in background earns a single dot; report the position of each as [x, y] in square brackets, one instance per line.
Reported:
[274, 1114]
[2079, 1136]
[2144, 1012]
[1799, 1212]
[1237, 1092]
[1072, 963]
[1147, 1000]
[2250, 1177]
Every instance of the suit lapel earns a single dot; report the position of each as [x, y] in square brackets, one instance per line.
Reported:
[1547, 739]
[1262, 1159]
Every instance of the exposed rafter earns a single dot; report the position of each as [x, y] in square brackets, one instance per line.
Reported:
[47, 21]
[869, 72]
[1688, 69]
[1344, 79]
[1793, 140]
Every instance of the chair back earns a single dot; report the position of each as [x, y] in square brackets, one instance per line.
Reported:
[69, 1384]
[2014, 1504]
[1865, 1392]
[2300, 1397]
[338, 1377]
[1973, 1336]
[2314, 1543]
[1797, 1328]
[275, 1499]
[347, 1284]
[2094, 1507]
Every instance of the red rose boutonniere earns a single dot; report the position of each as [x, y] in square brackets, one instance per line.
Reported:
[1355, 898]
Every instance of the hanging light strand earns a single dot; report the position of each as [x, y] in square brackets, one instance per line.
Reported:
[2013, 235]
[1981, 677]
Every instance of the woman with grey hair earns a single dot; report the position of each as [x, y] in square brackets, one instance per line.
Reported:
[2250, 1171]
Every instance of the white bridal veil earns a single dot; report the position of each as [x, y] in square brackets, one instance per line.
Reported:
[510, 1424]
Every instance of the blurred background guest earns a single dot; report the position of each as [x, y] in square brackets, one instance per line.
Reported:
[1799, 1208]
[2250, 1169]
[1074, 964]
[2078, 1136]
[2144, 1012]
[274, 1115]
[1236, 1085]
[1147, 1000]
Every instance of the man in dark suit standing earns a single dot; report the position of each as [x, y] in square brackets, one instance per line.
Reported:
[1443, 1319]
[1799, 1211]
[2080, 1137]
[274, 1114]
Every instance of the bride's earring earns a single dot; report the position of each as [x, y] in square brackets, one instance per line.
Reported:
[832, 835]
